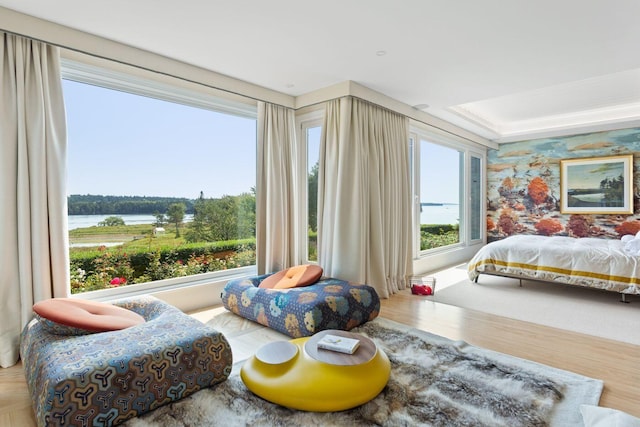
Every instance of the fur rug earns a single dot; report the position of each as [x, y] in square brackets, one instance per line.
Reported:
[434, 381]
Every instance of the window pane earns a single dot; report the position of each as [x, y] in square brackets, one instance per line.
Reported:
[440, 171]
[313, 155]
[156, 189]
[476, 198]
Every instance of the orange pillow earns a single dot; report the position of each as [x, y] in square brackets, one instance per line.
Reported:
[70, 316]
[298, 276]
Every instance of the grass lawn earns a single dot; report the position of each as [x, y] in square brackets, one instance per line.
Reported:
[133, 237]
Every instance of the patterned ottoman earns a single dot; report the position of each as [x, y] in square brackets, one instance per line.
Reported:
[106, 378]
[300, 312]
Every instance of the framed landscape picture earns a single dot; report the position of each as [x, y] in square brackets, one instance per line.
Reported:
[597, 185]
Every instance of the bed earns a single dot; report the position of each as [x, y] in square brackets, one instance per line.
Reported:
[590, 262]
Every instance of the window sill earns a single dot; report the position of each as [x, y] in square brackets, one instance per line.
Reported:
[186, 293]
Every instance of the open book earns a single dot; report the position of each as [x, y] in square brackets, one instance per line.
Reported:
[338, 343]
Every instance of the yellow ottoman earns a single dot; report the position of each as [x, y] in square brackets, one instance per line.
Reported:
[298, 375]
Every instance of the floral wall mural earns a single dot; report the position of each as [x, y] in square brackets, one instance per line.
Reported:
[523, 186]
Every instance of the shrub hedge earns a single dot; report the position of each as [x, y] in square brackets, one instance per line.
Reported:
[139, 258]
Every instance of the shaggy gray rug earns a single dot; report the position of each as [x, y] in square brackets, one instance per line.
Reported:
[434, 382]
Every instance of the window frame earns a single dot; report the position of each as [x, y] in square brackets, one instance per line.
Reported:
[115, 76]
[418, 133]
[304, 122]
[151, 85]
[483, 206]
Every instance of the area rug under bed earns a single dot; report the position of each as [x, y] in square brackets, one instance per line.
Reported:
[434, 382]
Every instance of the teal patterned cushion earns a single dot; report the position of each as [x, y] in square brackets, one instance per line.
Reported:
[106, 378]
[58, 328]
[298, 312]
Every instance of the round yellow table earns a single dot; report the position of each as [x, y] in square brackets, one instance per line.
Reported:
[299, 375]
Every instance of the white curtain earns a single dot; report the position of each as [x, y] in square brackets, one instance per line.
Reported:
[34, 260]
[364, 196]
[276, 210]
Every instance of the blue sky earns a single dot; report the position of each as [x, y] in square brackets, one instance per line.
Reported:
[313, 150]
[129, 145]
[123, 144]
[589, 176]
[440, 173]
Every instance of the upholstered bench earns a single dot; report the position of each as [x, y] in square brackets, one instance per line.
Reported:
[302, 311]
[105, 378]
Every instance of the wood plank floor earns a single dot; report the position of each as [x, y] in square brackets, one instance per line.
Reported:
[616, 363]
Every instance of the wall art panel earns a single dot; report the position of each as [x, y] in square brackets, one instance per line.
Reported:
[523, 186]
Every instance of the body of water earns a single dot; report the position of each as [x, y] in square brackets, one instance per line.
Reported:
[590, 198]
[83, 221]
[443, 214]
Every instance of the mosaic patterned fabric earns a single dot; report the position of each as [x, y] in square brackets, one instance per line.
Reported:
[300, 312]
[105, 378]
[59, 329]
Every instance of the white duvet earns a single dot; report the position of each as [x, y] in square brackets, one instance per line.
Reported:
[596, 263]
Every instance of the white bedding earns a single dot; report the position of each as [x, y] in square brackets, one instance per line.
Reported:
[595, 263]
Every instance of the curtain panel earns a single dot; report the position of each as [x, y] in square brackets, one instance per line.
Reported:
[276, 209]
[364, 196]
[34, 256]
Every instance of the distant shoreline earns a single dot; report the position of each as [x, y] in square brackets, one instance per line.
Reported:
[438, 204]
[83, 221]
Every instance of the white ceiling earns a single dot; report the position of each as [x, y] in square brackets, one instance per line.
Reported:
[503, 69]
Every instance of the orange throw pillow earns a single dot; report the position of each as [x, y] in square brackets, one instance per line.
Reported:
[89, 316]
[298, 276]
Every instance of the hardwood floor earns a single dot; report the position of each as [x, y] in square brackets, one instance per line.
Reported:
[616, 363]
[15, 403]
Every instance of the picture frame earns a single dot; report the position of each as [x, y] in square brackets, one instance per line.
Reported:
[597, 185]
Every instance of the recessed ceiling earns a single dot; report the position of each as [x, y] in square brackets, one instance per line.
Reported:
[505, 70]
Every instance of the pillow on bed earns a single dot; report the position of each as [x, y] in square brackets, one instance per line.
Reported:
[597, 416]
[70, 316]
[293, 277]
[627, 237]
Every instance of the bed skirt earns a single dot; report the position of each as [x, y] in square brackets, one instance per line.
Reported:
[590, 262]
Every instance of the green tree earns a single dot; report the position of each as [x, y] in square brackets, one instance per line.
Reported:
[161, 220]
[226, 218]
[197, 230]
[247, 214]
[224, 224]
[313, 197]
[613, 190]
[175, 215]
[111, 221]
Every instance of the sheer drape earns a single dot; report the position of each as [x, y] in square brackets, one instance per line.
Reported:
[34, 258]
[364, 196]
[276, 211]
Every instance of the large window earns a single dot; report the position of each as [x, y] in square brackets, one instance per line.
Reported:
[157, 189]
[447, 193]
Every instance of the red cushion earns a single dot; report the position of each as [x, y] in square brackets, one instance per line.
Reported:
[298, 276]
[90, 316]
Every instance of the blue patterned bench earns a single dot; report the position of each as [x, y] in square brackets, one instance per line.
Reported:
[103, 379]
[299, 312]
